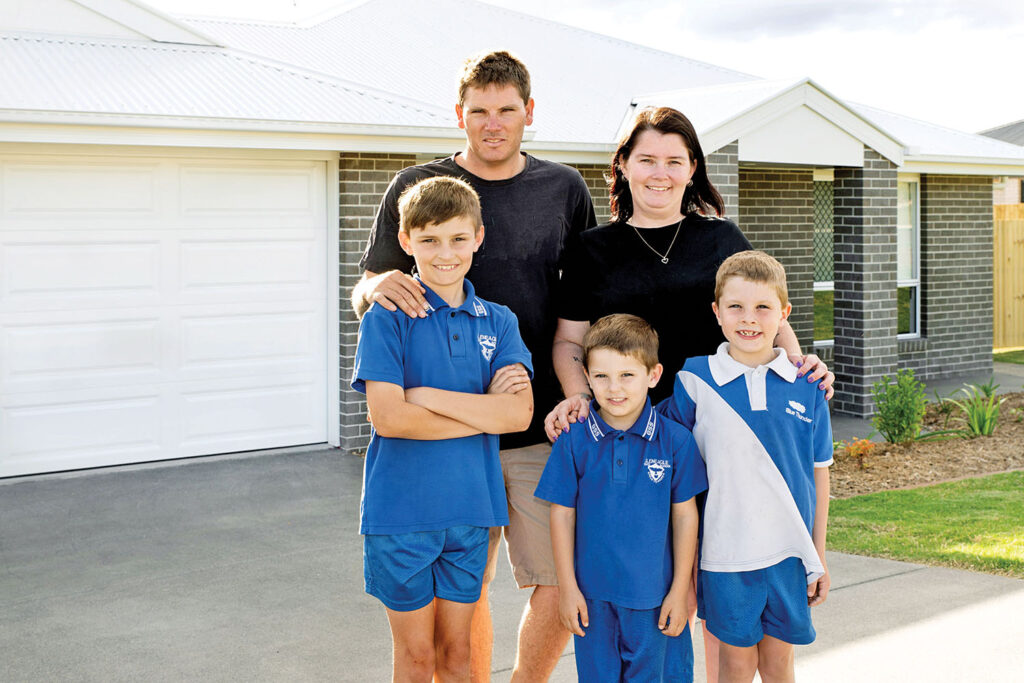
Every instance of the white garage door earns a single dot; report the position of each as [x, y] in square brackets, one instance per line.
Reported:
[155, 308]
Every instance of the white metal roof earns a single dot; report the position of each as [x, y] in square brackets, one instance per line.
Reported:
[53, 75]
[583, 82]
[388, 68]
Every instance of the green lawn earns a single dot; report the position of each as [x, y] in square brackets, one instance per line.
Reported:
[975, 524]
[1005, 357]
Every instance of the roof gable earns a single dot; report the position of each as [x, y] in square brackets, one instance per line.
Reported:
[777, 122]
[117, 19]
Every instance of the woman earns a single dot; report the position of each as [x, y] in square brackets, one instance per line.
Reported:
[657, 259]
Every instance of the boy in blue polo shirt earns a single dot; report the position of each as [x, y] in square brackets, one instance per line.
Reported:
[438, 391]
[767, 443]
[623, 518]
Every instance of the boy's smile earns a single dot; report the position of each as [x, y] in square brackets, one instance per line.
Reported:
[620, 385]
[749, 313]
[443, 253]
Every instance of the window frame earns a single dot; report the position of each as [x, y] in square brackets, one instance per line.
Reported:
[914, 179]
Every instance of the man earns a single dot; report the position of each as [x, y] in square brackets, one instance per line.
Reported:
[531, 208]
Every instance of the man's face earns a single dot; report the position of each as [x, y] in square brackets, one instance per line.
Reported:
[494, 118]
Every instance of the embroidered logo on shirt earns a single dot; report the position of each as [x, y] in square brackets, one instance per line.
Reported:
[487, 345]
[797, 410]
[656, 469]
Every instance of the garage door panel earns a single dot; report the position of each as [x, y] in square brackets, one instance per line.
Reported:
[278, 195]
[64, 268]
[250, 342]
[237, 416]
[226, 269]
[49, 432]
[70, 190]
[71, 350]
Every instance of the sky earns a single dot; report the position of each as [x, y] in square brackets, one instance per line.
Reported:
[949, 62]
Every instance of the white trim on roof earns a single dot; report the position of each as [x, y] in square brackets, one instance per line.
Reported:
[149, 22]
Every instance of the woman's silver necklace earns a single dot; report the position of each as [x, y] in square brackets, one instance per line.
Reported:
[663, 257]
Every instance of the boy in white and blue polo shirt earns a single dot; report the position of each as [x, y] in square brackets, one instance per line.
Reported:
[438, 390]
[623, 517]
[767, 442]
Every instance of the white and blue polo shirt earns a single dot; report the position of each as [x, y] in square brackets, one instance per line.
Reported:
[417, 485]
[623, 484]
[762, 434]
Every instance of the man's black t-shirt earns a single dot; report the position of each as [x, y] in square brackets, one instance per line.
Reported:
[528, 220]
[610, 270]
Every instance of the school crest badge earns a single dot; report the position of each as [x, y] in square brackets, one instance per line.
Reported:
[656, 469]
[487, 345]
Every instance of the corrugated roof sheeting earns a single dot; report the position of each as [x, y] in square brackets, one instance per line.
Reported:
[583, 82]
[96, 76]
[924, 138]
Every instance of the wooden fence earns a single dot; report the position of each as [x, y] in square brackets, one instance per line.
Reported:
[1008, 277]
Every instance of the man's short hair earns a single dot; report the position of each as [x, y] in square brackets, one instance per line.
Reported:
[498, 68]
[623, 333]
[436, 200]
[756, 266]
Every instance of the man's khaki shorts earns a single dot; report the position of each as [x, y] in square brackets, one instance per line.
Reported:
[528, 535]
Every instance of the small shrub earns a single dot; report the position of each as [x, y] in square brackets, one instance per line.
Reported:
[944, 408]
[980, 409]
[859, 449]
[899, 407]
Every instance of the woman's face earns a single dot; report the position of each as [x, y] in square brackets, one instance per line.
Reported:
[658, 170]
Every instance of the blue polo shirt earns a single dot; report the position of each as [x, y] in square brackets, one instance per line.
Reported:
[415, 485]
[623, 484]
[761, 433]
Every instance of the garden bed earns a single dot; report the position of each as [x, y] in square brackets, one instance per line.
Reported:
[889, 466]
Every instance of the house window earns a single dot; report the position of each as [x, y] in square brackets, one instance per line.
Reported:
[823, 257]
[908, 261]
[1020, 194]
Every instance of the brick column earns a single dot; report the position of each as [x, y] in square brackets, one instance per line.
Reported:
[865, 281]
[593, 175]
[363, 178]
[776, 213]
[723, 171]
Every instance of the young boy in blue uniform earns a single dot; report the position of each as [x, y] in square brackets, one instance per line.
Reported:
[623, 517]
[438, 391]
[767, 443]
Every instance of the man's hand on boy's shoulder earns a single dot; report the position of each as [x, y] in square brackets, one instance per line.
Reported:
[393, 290]
[510, 379]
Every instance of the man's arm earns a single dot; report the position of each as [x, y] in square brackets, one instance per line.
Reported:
[572, 607]
[674, 609]
[393, 416]
[392, 290]
[498, 412]
[818, 591]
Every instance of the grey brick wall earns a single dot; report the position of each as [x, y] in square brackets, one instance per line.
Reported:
[865, 280]
[723, 171]
[956, 278]
[776, 213]
[362, 179]
[594, 175]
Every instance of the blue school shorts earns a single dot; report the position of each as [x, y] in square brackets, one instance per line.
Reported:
[407, 571]
[623, 644]
[741, 608]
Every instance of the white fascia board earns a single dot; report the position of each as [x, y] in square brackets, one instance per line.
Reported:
[962, 166]
[805, 93]
[149, 22]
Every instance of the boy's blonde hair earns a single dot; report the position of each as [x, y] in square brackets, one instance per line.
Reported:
[756, 266]
[623, 333]
[436, 200]
[498, 68]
